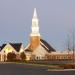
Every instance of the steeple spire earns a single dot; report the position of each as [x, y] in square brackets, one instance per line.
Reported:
[35, 13]
[35, 35]
[35, 25]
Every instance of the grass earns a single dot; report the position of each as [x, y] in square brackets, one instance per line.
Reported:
[50, 66]
[40, 65]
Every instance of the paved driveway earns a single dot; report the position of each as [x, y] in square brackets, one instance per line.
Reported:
[23, 69]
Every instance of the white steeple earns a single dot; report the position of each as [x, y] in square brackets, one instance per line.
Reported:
[35, 27]
[35, 13]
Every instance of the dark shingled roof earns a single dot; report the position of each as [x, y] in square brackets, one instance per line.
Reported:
[28, 50]
[0, 48]
[3, 46]
[16, 46]
[48, 47]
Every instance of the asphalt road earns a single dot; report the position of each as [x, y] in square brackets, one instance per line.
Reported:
[23, 69]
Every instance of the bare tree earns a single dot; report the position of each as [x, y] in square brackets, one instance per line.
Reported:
[68, 43]
[73, 47]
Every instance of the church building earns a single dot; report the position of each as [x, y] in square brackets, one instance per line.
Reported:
[37, 47]
[16, 48]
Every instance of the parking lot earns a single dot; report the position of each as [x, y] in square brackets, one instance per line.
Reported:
[25, 69]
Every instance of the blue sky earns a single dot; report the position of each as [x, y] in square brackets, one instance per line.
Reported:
[56, 20]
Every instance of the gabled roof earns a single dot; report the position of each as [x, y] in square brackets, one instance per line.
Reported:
[44, 44]
[3, 46]
[28, 50]
[0, 48]
[47, 46]
[16, 46]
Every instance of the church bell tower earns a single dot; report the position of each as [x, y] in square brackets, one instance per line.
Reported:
[35, 35]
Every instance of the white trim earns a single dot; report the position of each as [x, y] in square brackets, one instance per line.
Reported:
[44, 45]
[2, 51]
[35, 35]
[27, 46]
